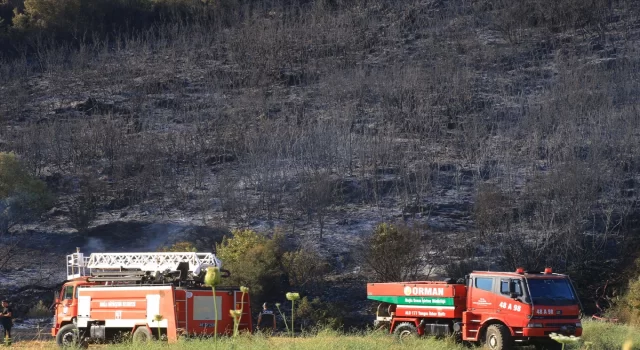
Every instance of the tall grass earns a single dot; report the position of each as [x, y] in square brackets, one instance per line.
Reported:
[601, 336]
[325, 339]
[607, 336]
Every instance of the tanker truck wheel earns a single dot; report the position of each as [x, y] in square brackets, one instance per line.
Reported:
[498, 337]
[69, 337]
[405, 330]
[142, 334]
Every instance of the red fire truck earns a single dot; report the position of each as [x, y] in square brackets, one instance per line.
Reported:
[499, 309]
[144, 295]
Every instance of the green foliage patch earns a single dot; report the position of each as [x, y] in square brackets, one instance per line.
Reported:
[22, 196]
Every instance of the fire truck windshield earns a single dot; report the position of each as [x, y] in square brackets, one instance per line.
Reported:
[556, 292]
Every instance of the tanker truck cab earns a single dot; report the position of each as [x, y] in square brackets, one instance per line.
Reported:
[497, 309]
[522, 307]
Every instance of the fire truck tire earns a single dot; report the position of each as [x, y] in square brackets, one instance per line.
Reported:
[498, 337]
[69, 337]
[405, 330]
[142, 334]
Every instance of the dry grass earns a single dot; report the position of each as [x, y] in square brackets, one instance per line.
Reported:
[601, 336]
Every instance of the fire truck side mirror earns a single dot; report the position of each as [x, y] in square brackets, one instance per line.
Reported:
[513, 292]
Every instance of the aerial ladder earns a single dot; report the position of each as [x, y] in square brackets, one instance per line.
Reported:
[154, 267]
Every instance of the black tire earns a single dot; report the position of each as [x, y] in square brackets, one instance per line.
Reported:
[69, 336]
[142, 334]
[405, 330]
[498, 337]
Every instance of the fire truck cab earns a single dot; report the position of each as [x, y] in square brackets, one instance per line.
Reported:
[143, 295]
[498, 309]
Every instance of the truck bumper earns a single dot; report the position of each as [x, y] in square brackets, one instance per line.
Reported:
[544, 332]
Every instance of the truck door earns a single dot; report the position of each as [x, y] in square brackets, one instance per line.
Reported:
[510, 306]
[482, 296]
[66, 308]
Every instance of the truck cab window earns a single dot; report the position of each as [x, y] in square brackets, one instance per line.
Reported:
[517, 287]
[484, 283]
[68, 293]
[505, 287]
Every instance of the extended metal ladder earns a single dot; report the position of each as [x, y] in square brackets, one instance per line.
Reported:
[78, 265]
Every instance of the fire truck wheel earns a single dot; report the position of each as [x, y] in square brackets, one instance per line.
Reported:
[142, 335]
[498, 337]
[405, 330]
[69, 337]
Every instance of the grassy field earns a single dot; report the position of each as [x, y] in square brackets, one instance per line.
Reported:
[597, 336]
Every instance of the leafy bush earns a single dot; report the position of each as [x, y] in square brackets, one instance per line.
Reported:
[182, 246]
[606, 335]
[305, 269]
[85, 15]
[394, 253]
[39, 310]
[254, 261]
[22, 196]
[316, 313]
[105, 16]
[626, 308]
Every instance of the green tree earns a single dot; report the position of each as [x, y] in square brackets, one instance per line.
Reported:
[22, 196]
[395, 253]
[53, 13]
[305, 269]
[253, 260]
[182, 246]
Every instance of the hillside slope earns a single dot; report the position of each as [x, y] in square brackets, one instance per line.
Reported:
[508, 129]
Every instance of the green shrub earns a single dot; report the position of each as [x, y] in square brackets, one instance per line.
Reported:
[607, 336]
[86, 15]
[253, 260]
[22, 196]
[313, 314]
[305, 269]
[105, 16]
[394, 253]
[39, 310]
[182, 246]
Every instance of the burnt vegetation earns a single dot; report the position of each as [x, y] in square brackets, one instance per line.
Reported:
[507, 129]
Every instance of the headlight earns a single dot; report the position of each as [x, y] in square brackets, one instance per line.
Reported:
[534, 325]
[579, 324]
